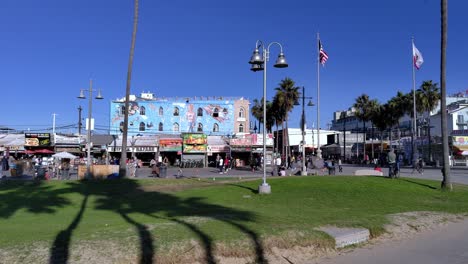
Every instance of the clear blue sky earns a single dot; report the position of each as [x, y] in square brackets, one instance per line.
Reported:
[50, 49]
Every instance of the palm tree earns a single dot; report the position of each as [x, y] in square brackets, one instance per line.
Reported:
[286, 94]
[123, 154]
[446, 182]
[378, 119]
[427, 96]
[257, 111]
[364, 111]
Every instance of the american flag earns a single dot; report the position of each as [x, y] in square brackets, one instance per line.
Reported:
[323, 56]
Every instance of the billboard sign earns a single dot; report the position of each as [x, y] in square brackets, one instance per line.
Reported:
[37, 139]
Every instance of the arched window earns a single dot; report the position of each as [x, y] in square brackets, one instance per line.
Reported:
[142, 110]
[122, 110]
[161, 111]
[200, 127]
[121, 126]
[200, 112]
[241, 112]
[175, 127]
[176, 111]
[241, 128]
[215, 128]
[142, 126]
[215, 112]
[160, 128]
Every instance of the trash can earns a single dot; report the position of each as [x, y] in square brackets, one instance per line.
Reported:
[163, 171]
[41, 173]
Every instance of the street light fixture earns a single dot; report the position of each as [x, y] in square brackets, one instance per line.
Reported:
[88, 136]
[259, 63]
[303, 124]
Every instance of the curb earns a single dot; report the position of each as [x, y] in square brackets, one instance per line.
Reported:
[346, 236]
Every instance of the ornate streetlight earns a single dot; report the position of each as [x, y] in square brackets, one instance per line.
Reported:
[88, 136]
[259, 63]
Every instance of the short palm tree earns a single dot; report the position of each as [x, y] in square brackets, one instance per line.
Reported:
[286, 95]
[257, 111]
[364, 110]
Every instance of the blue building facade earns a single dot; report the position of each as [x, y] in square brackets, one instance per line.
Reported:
[210, 116]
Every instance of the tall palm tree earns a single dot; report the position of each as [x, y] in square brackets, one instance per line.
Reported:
[287, 94]
[446, 182]
[123, 154]
[364, 110]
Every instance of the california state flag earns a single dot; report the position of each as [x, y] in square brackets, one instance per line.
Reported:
[417, 57]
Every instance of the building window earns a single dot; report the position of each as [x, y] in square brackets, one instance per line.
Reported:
[215, 112]
[161, 111]
[142, 110]
[176, 111]
[160, 128]
[215, 128]
[241, 112]
[175, 127]
[142, 126]
[200, 127]
[200, 112]
[122, 110]
[241, 128]
[460, 119]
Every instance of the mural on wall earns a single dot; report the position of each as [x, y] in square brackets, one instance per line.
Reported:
[174, 116]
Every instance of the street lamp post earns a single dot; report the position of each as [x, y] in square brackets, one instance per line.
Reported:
[259, 63]
[88, 136]
[303, 129]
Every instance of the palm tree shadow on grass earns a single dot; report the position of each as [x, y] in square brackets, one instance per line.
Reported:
[125, 197]
[420, 184]
[59, 252]
[36, 197]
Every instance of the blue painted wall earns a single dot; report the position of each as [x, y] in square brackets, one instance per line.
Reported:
[147, 112]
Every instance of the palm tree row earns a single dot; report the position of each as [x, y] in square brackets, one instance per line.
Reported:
[287, 93]
[386, 116]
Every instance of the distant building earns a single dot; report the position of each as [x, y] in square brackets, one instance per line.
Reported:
[223, 116]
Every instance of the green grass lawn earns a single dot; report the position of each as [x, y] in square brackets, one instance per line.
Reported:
[157, 214]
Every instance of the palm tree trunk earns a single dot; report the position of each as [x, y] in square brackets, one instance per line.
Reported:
[283, 147]
[446, 182]
[365, 135]
[288, 148]
[123, 154]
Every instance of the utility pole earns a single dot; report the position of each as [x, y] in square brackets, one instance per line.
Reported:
[53, 123]
[79, 119]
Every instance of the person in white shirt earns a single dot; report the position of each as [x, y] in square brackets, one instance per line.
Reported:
[221, 165]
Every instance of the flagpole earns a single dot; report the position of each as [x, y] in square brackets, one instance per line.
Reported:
[415, 156]
[319, 151]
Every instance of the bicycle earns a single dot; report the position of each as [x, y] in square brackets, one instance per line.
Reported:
[419, 167]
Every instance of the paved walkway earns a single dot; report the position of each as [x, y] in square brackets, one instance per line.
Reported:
[458, 174]
[444, 245]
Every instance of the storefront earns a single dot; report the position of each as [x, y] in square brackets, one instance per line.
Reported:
[194, 150]
[143, 148]
[170, 148]
[249, 147]
[217, 145]
[70, 144]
